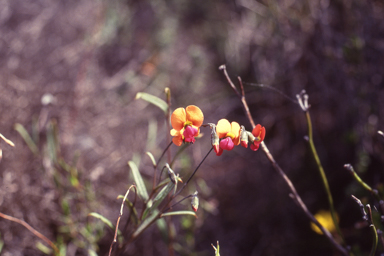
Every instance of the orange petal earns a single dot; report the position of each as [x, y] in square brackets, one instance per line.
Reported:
[195, 115]
[177, 140]
[235, 129]
[178, 118]
[256, 130]
[262, 134]
[259, 131]
[223, 127]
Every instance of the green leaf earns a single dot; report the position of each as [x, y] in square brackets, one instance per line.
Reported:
[152, 158]
[162, 226]
[91, 252]
[27, 138]
[162, 183]
[146, 223]
[151, 206]
[162, 195]
[52, 141]
[102, 218]
[178, 213]
[44, 249]
[141, 189]
[153, 100]
[152, 133]
[1, 245]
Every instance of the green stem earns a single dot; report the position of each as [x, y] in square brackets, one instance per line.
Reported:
[375, 240]
[374, 192]
[374, 231]
[322, 174]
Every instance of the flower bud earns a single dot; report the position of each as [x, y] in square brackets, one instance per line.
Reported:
[251, 138]
[195, 202]
[243, 137]
[215, 140]
[171, 174]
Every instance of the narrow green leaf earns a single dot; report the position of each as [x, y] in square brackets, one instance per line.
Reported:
[152, 133]
[52, 141]
[162, 226]
[152, 158]
[178, 213]
[27, 138]
[141, 189]
[153, 100]
[162, 195]
[91, 252]
[162, 183]
[1, 244]
[146, 223]
[44, 249]
[102, 218]
[152, 205]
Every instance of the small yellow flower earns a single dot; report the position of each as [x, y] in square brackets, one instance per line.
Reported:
[325, 219]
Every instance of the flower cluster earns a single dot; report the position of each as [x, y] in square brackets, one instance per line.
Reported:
[186, 125]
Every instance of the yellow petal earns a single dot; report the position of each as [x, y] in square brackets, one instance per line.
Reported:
[178, 119]
[223, 127]
[195, 115]
[175, 132]
[235, 129]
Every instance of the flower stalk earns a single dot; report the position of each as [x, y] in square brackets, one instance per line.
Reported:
[322, 173]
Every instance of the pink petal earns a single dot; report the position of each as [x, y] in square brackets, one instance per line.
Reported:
[190, 133]
[254, 146]
[227, 144]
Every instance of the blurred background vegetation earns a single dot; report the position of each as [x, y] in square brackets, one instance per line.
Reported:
[69, 73]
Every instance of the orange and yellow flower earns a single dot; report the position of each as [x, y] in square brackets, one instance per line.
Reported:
[259, 133]
[186, 124]
[229, 135]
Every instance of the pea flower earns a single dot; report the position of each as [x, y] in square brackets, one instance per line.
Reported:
[229, 133]
[325, 219]
[259, 134]
[186, 124]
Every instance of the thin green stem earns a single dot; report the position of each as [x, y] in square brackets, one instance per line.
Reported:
[165, 150]
[170, 207]
[194, 172]
[374, 192]
[322, 174]
[374, 231]
[375, 240]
